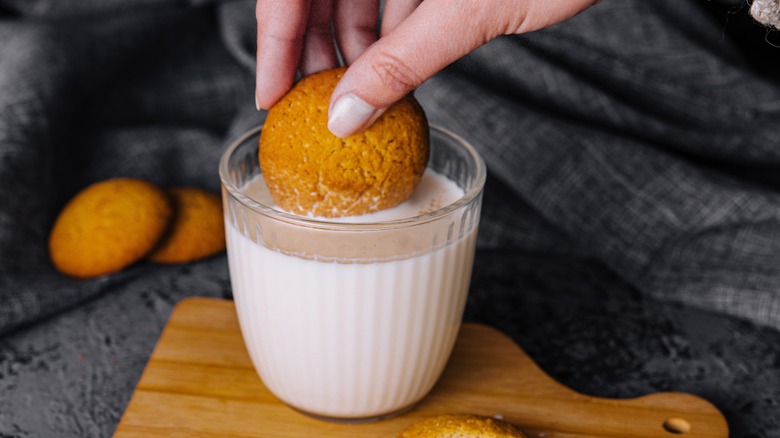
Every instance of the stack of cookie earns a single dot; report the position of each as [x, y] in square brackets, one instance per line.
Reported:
[113, 224]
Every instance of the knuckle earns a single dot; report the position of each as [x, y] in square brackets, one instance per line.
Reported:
[396, 74]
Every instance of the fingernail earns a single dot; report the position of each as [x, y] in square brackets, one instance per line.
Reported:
[349, 114]
[257, 104]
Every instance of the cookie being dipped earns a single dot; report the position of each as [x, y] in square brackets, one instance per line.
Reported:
[108, 226]
[461, 426]
[197, 229]
[309, 171]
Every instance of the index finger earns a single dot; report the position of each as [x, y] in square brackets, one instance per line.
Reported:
[280, 28]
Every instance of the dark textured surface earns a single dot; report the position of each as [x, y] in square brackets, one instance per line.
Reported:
[596, 335]
[72, 375]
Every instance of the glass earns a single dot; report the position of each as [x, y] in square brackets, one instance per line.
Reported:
[344, 321]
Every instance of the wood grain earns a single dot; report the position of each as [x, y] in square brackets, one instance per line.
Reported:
[200, 382]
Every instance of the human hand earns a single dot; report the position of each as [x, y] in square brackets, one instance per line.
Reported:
[417, 40]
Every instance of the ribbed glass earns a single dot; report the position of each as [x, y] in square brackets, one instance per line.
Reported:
[351, 321]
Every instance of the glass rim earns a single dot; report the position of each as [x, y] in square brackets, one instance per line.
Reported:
[325, 223]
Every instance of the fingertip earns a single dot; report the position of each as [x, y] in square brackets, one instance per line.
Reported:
[377, 78]
[368, 87]
[275, 73]
[269, 91]
[349, 114]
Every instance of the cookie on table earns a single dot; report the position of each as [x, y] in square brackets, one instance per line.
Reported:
[310, 171]
[108, 226]
[197, 230]
[461, 426]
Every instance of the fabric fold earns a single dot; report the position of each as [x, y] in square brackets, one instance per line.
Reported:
[146, 93]
[646, 175]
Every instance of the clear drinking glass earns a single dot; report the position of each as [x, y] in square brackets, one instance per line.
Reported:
[343, 321]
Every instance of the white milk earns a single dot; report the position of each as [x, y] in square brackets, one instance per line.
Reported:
[352, 340]
[433, 192]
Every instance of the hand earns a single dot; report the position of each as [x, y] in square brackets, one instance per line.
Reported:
[417, 40]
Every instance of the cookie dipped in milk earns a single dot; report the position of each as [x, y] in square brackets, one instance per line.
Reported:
[350, 303]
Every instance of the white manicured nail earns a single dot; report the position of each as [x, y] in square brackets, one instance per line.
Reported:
[349, 114]
[257, 104]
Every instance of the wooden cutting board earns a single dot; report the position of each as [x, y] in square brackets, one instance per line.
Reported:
[200, 382]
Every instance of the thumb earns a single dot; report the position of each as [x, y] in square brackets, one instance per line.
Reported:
[437, 33]
[396, 64]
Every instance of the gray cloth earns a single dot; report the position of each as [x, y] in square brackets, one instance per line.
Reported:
[636, 133]
[653, 147]
[90, 91]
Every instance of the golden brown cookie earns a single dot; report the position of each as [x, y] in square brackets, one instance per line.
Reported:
[461, 426]
[108, 226]
[310, 171]
[197, 230]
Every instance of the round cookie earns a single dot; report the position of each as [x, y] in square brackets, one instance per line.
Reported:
[310, 171]
[197, 229]
[108, 226]
[461, 425]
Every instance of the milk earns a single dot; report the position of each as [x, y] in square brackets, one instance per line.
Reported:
[434, 191]
[356, 337]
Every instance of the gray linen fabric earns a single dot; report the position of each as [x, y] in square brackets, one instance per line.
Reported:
[654, 148]
[636, 134]
[89, 91]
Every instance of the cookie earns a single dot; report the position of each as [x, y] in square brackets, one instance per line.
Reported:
[197, 230]
[461, 425]
[310, 171]
[108, 226]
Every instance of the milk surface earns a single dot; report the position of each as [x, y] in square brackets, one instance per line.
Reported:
[434, 191]
[353, 339]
